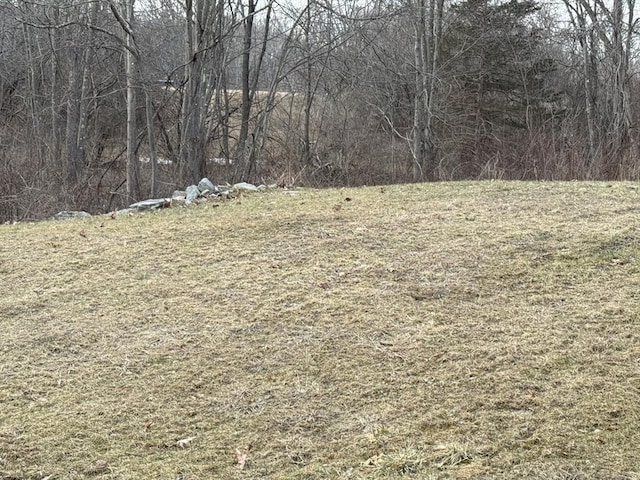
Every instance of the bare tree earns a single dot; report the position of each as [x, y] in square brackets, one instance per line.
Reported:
[206, 28]
[132, 55]
[605, 34]
[246, 154]
[428, 17]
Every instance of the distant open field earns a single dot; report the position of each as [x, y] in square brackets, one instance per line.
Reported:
[439, 331]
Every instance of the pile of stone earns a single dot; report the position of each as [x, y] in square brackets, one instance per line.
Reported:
[206, 189]
[192, 194]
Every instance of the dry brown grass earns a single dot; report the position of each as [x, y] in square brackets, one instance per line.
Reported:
[469, 330]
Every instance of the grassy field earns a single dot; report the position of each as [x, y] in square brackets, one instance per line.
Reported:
[445, 331]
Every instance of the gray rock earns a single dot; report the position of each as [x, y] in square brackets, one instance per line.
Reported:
[192, 193]
[71, 215]
[151, 204]
[246, 187]
[123, 212]
[179, 195]
[205, 184]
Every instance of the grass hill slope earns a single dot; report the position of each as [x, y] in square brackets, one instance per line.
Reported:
[466, 330]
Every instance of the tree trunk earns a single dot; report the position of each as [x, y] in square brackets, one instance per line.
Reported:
[185, 108]
[133, 168]
[36, 146]
[309, 92]
[151, 138]
[202, 76]
[418, 101]
[56, 88]
[74, 102]
[252, 151]
[247, 94]
[428, 30]
[191, 133]
[621, 121]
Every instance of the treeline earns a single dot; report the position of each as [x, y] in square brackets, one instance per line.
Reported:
[104, 102]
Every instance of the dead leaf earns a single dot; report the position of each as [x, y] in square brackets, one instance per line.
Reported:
[185, 442]
[83, 235]
[242, 457]
[337, 207]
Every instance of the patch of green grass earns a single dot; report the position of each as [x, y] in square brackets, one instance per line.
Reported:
[454, 330]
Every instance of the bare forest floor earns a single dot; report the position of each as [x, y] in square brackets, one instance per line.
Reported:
[455, 330]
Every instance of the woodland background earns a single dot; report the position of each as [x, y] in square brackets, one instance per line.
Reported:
[104, 102]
